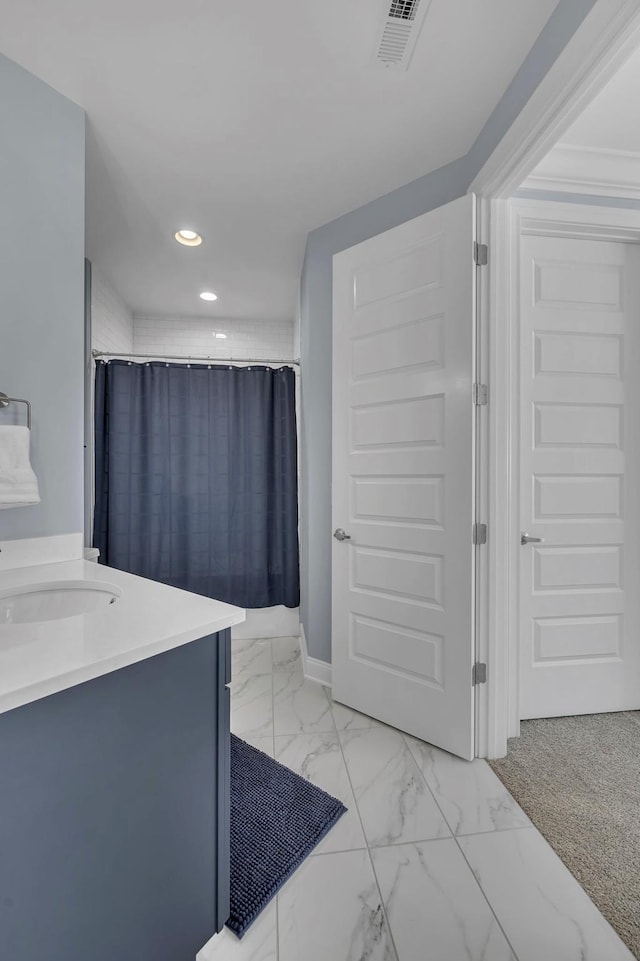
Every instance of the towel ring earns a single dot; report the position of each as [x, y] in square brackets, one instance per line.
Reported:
[5, 401]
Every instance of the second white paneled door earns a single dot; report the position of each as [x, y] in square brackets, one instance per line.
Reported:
[403, 476]
[580, 478]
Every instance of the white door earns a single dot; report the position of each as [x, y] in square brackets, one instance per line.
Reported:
[580, 484]
[403, 476]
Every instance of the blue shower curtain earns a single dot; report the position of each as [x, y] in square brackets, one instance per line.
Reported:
[196, 478]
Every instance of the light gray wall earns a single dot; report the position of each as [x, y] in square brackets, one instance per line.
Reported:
[42, 292]
[434, 189]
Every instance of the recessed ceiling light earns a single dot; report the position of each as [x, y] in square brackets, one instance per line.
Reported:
[188, 237]
[220, 336]
[208, 295]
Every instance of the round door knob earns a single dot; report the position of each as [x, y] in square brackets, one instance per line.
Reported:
[341, 535]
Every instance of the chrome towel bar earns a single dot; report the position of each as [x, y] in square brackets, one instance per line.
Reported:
[5, 401]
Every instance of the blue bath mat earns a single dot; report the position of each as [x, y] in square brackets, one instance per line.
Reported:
[277, 818]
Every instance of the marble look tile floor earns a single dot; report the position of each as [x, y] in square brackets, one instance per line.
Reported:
[434, 861]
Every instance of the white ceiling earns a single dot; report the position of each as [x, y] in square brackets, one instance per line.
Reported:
[610, 121]
[254, 122]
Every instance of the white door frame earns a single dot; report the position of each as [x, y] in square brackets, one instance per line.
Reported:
[605, 40]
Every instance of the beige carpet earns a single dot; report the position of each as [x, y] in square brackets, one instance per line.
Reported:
[578, 779]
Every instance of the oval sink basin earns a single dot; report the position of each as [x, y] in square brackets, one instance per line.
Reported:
[55, 600]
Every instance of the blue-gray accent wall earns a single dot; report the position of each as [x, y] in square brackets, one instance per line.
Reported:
[592, 200]
[428, 192]
[42, 292]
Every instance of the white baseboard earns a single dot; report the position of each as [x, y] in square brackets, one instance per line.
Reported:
[268, 622]
[312, 668]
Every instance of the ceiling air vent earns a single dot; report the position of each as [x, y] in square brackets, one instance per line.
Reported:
[404, 9]
[398, 34]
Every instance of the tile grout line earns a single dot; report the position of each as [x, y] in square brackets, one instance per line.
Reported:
[401, 844]
[484, 893]
[366, 840]
[478, 834]
[445, 818]
[369, 848]
[459, 846]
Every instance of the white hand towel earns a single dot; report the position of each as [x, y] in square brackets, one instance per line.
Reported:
[18, 483]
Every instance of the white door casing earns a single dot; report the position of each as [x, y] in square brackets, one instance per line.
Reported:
[403, 476]
[609, 34]
[579, 475]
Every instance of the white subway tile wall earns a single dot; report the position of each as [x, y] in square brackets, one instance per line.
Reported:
[111, 319]
[195, 336]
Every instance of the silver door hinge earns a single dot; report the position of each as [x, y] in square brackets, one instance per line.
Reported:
[479, 533]
[479, 673]
[480, 395]
[480, 254]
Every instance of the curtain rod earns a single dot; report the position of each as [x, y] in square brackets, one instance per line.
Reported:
[203, 360]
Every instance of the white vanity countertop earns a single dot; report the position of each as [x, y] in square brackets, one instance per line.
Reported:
[41, 658]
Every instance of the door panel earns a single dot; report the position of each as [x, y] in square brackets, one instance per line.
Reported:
[579, 648]
[403, 476]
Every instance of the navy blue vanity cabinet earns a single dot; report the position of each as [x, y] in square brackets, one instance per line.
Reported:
[114, 813]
